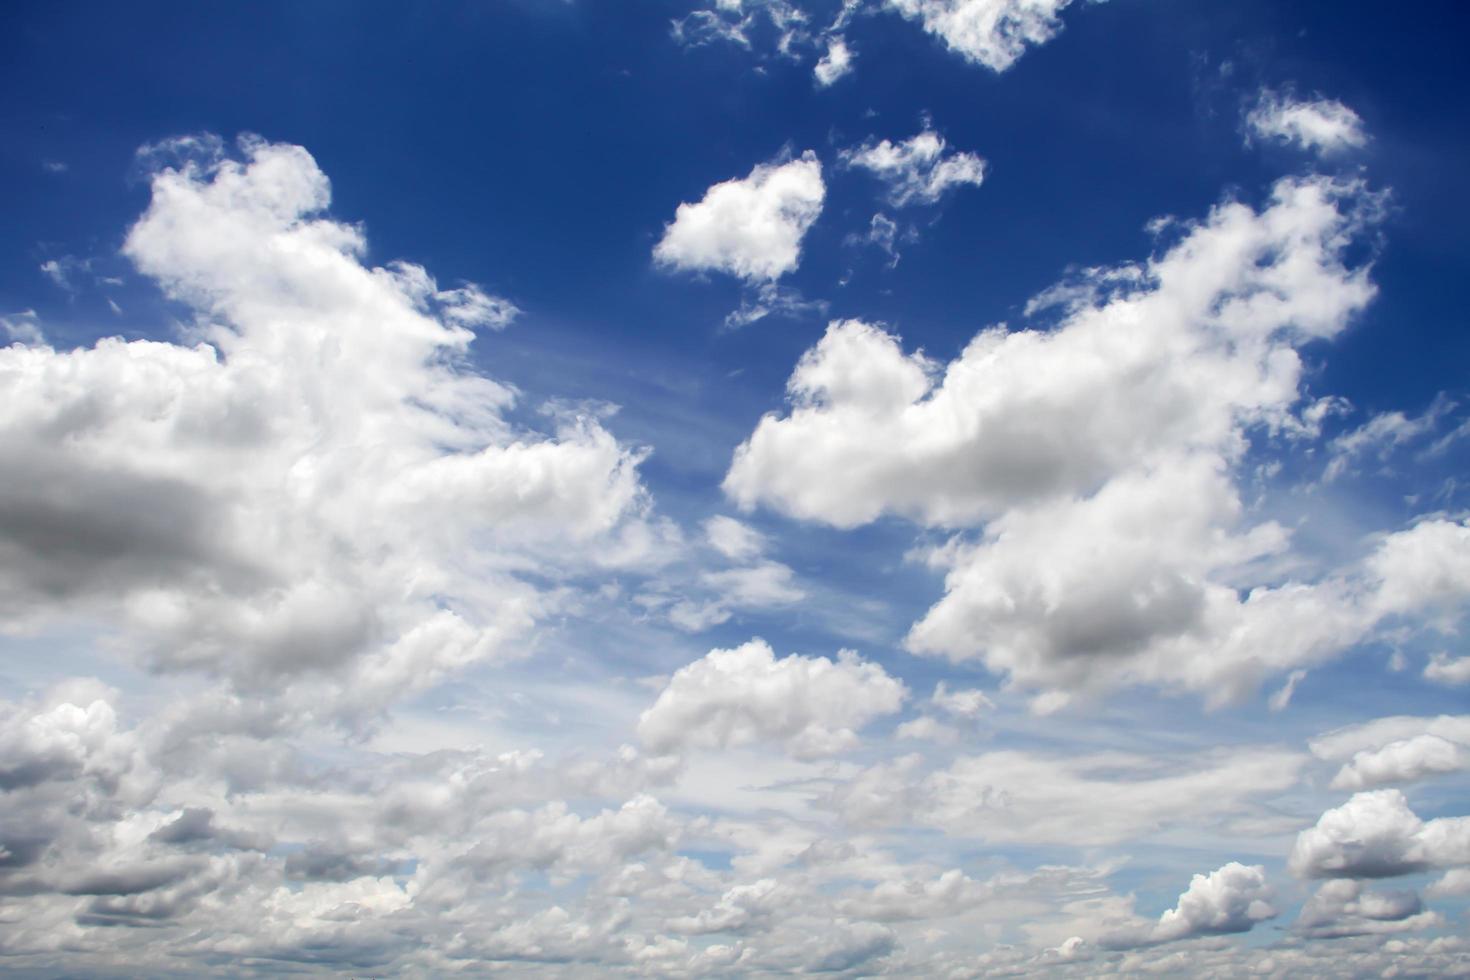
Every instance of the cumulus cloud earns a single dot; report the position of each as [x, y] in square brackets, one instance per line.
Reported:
[1101, 463]
[1028, 414]
[1403, 761]
[812, 706]
[1343, 907]
[749, 227]
[1228, 900]
[917, 170]
[1321, 126]
[311, 489]
[993, 33]
[1376, 835]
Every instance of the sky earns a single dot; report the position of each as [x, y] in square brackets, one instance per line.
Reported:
[567, 488]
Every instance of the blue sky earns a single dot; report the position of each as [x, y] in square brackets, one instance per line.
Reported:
[747, 487]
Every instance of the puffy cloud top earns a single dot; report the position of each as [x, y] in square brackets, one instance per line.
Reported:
[993, 33]
[811, 705]
[751, 227]
[1376, 835]
[312, 485]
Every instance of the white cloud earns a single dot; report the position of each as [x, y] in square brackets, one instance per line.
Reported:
[750, 227]
[312, 492]
[1403, 761]
[1343, 743]
[1282, 698]
[1454, 882]
[969, 703]
[1383, 433]
[917, 170]
[835, 64]
[1376, 835]
[1322, 126]
[733, 539]
[1198, 346]
[734, 21]
[882, 233]
[1228, 900]
[23, 328]
[811, 705]
[993, 33]
[1444, 669]
[1343, 907]
[1100, 458]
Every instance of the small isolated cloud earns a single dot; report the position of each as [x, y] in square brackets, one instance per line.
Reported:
[1447, 670]
[1321, 126]
[734, 539]
[1376, 835]
[1229, 900]
[919, 170]
[1282, 698]
[993, 33]
[968, 703]
[751, 227]
[812, 706]
[59, 272]
[835, 64]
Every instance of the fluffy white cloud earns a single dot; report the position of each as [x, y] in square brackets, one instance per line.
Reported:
[993, 33]
[1228, 900]
[1231, 899]
[811, 705]
[1376, 835]
[1322, 126]
[1101, 458]
[917, 170]
[1187, 350]
[312, 485]
[1402, 761]
[1343, 907]
[834, 64]
[1444, 669]
[750, 227]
